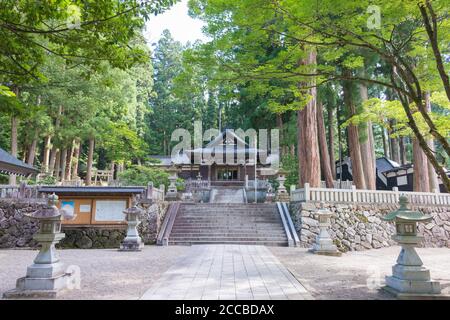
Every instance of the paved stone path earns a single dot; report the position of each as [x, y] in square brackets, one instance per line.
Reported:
[227, 272]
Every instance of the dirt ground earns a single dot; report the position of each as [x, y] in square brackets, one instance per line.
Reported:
[357, 274]
[110, 274]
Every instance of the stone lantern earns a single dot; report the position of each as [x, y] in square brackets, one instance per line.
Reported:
[132, 241]
[324, 244]
[172, 192]
[410, 278]
[282, 194]
[47, 275]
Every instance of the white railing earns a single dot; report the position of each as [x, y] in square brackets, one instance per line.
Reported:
[354, 195]
[337, 184]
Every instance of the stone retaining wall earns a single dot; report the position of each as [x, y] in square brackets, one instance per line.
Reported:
[359, 227]
[16, 229]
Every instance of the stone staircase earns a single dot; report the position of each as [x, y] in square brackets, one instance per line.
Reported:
[227, 195]
[228, 223]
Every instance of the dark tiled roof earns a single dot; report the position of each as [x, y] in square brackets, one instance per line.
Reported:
[10, 164]
[384, 164]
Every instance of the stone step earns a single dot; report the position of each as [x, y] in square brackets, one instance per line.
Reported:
[224, 210]
[248, 206]
[239, 228]
[230, 224]
[218, 234]
[245, 238]
[261, 243]
[227, 209]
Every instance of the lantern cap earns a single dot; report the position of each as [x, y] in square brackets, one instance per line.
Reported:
[48, 211]
[405, 214]
[133, 209]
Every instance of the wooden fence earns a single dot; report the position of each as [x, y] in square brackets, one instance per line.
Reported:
[354, 195]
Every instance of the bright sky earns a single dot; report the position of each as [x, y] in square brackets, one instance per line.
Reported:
[182, 27]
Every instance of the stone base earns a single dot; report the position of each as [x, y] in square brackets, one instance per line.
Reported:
[131, 246]
[31, 294]
[413, 287]
[415, 296]
[43, 288]
[334, 253]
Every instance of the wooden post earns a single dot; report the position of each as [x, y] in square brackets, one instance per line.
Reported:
[396, 194]
[149, 190]
[306, 190]
[22, 188]
[436, 196]
[354, 195]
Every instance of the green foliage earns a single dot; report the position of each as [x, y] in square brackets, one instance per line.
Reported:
[290, 165]
[122, 144]
[141, 176]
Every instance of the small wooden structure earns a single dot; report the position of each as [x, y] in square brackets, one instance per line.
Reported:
[95, 206]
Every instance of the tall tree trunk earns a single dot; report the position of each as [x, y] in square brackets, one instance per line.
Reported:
[368, 148]
[52, 164]
[76, 158]
[90, 161]
[434, 183]
[394, 144]
[331, 140]
[385, 145]
[308, 144]
[14, 125]
[421, 181]
[57, 174]
[32, 152]
[280, 128]
[63, 164]
[401, 144]
[70, 152]
[324, 156]
[47, 148]
[353, 137]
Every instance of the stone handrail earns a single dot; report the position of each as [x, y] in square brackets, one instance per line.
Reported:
[354, 195]
[164, 233]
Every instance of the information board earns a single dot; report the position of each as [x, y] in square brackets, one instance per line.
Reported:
[110, 210]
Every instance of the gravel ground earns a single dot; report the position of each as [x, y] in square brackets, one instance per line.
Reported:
[105, 273]
[348, 276]
[110, 274]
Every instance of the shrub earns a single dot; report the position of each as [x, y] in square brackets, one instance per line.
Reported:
[141, 176]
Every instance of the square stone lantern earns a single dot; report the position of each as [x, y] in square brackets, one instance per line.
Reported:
[410, 279]
[172, 192]
[324, 244]
[47, 276]
[282, 194]
[132, 241]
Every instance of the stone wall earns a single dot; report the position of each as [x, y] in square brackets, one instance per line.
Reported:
[359, 227]
[16, 229]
